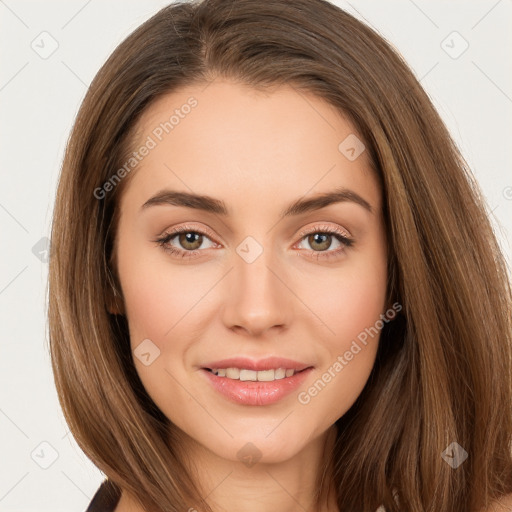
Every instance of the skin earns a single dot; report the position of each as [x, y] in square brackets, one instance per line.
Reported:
[258, 152]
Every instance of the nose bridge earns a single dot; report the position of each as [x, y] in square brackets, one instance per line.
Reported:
[258, 299]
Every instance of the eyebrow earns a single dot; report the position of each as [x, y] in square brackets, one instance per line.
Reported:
[217, 206]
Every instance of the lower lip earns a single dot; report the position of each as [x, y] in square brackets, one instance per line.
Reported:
[255, 392]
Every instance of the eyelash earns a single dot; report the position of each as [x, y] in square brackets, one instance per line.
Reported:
[340, 235]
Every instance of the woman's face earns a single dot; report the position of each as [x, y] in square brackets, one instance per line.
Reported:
[267, 277]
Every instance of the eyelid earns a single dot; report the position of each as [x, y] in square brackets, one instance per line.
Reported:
[190, 227]
[329, 229]
[341, 234]
[313, 228]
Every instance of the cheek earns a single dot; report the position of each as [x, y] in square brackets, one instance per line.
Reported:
[151, 305]
[352, 300]
[157, 296]
[158, 301]
[351, 307]
[356, 305]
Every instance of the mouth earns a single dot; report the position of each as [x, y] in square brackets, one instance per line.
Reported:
[264, 382]
[245, 374]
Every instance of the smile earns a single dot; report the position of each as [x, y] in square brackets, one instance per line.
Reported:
[244, 374]
[255, 388]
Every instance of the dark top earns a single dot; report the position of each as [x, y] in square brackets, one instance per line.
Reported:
[106, 498]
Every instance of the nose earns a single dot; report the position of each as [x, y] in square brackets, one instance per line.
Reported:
[258, 299]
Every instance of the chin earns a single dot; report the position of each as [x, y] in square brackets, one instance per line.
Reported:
[261, 442]
[250, 451]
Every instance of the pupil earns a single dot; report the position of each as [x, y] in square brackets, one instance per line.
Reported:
[189, 240]
[323, 239]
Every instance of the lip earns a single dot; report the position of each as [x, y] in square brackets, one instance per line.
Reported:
[255, 392]
[263, 364]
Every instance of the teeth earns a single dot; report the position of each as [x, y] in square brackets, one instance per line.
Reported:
[266, 375]
[280, 373]
[253, 375]
[232, 373]
[248, 375]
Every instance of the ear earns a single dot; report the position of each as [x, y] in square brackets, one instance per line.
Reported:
[391, 305]
[115, 305]
[114, 300]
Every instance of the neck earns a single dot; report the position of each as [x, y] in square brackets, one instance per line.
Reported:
[285, 486]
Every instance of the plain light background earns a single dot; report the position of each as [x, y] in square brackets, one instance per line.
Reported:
[50, 51]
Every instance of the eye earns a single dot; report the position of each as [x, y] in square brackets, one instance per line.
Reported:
[190, 239]
[321, 240]
[187, 242]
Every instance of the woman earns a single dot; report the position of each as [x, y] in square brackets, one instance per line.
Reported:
[273, 283]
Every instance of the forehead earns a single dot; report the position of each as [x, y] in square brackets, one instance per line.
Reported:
[226, 138]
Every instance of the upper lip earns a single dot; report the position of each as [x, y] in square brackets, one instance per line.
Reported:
[267, 363]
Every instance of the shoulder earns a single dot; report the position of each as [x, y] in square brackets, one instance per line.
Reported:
[504, 504]
[106, 498]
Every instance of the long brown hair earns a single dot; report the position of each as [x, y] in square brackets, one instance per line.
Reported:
[443, 368]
